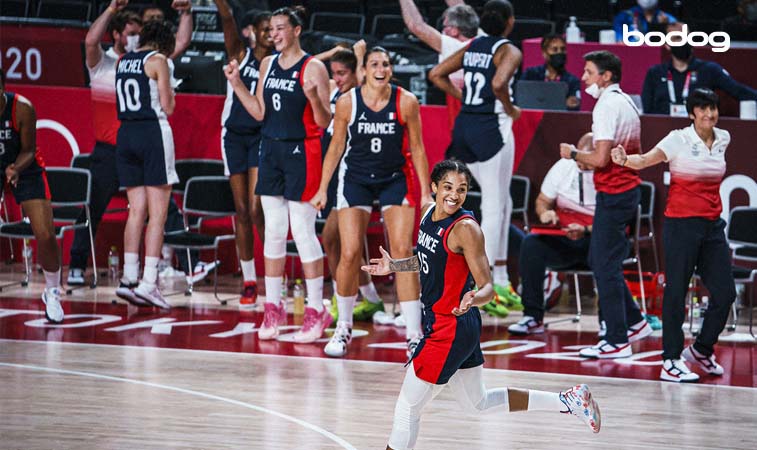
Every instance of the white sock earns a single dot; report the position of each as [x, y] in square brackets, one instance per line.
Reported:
[346, 306]
[412, 312]
[273, 290]
[248, 270]
[166, 253]
[131, 266]
[368, 291]
[52, 279]
[544, 401]
[315, 292]
[499, 273]
[150, 274]
[333, 286]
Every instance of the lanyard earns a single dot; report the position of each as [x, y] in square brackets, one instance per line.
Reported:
[671, 89]
[580, 187]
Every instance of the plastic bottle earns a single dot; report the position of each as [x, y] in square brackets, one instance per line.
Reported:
[284, 289]
[113, 264]
[298, 293]
[705, 305]
[27, 255]
[572, 32]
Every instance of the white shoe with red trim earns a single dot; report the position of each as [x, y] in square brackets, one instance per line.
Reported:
[639, 331]
[580, 403]
[605, 350]
[676, 370]
[706, 363]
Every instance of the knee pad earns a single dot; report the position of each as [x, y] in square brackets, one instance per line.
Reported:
[276, 226]
[302, 217]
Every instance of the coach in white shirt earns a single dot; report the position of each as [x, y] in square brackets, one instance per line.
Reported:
[615, 120]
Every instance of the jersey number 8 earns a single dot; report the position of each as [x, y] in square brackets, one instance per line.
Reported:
[128, 95]
[376, 145]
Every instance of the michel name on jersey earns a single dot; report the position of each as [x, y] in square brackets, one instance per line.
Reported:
[475, 59]
[130, 66]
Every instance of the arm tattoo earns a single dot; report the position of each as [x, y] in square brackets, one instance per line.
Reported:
[410, 264]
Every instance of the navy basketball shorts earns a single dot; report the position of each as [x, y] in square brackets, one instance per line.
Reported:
[145, 153]
[289, 169]
[478, 137]
[32, 185]
[359, 193]
[449, 343]
[331, 193]
[240, 151]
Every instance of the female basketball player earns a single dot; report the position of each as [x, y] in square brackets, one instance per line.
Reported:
[376, 166]
[23, 169]
[451, 260]
[145, 156]
[483, 135]
[240, 137]
[292, 101]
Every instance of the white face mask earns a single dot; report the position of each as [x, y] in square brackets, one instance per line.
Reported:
[647, 4]
[132, 43]
[594, 90]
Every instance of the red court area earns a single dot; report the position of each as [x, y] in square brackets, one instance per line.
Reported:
[207, 328]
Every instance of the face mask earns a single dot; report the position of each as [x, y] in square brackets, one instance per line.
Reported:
[594, 90]
[683, 52]
[132, 43]
[647, 4]
[557, 61]
[750, 12]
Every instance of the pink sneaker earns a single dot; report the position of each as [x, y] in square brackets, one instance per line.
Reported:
[313, 325]
[275, 316]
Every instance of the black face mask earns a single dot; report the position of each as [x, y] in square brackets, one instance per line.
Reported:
[557, 61]
[683, 52]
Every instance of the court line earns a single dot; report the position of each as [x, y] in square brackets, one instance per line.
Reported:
[261, 409]
[363, 361]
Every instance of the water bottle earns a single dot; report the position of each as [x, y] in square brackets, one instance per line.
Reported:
[696, 312]
[113, 264]
[27, 255]
[284, 289]
[298, 293]
[572, 32]
[705, 305]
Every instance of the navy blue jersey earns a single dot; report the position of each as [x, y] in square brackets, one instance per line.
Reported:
[288, 113]
[137, 94]
[375, 139]
[479, 70]
[10, 138]
[329, 132]
[235, 117]
[445, 276]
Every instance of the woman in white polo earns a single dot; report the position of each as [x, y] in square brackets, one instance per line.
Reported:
[693, 233]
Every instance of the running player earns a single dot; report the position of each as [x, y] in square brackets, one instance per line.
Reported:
[145, 156]
[240, 138]
[292, 101]
[451, 256]
[483, 135]
[24, 170]
[377, 165]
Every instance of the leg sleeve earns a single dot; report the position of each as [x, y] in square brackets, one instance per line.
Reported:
[414, 396]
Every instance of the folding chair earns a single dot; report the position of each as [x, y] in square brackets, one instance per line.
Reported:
[205, 197]
[742, 236]
[189, 168]
[647, 219]
[520, 188]
[69, 192]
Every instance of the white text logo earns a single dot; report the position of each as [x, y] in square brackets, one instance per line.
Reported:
[720, 41]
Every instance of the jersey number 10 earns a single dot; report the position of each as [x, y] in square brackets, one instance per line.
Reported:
[128, 95]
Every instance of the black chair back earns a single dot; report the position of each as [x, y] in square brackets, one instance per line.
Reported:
[14, 8]
[64, 9]
[189, 168]
[209, 196]
[647, 199]
[68, 186]
[742, 226]
[82, 161]
[338, 22]
[520, 188]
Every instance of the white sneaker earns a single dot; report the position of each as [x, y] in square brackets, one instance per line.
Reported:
[53, 308]
[75, 277]
[639, 331]
[706, 363]
[151, 294]
[581, 404]
[400, 322]
[337, 346]
[273, 317]
[313, 325]
[412, 344]
[676, 370]
[526, 325]
[202, 270]
[383, 318]
[605, 350]
[125, 291]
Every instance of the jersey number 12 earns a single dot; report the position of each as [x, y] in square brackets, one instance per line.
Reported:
[474, 82]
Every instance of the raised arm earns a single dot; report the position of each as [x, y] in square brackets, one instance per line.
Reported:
[508, 59]
[93, 49]
[335, 150]
[234, 45]
[316, 87]
[439, 75]
[410, 110]
[184, 32]
[467, 238]
[253, 103]
[597, 158]
[415, 23]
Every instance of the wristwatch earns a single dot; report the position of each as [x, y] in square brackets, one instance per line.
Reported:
[573, 153]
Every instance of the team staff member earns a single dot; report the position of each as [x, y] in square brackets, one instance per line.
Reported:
[24, 170]
[615, 120]
[451, 259]
[240, 136]
[693, 233]
[667, 85]
[292, 101]
[483, 135]
[145, 156]
[376, 166]
[554, 51]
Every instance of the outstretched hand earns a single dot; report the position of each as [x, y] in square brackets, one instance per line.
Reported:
[379, 266]
[465, 304]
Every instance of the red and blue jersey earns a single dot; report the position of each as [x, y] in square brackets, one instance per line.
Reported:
[10, 138]
[288, 113]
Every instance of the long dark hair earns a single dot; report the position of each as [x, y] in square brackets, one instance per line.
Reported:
[449, 165]
[159, 34]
